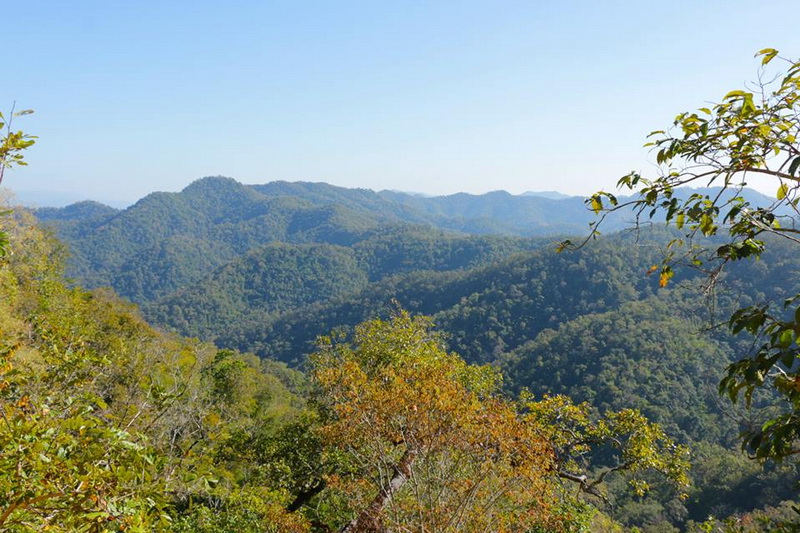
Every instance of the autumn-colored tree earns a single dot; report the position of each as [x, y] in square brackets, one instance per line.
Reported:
[434, 446]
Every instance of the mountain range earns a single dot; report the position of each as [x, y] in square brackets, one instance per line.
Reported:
[269, 268]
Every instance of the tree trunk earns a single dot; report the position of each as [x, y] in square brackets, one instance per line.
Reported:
[369, 520]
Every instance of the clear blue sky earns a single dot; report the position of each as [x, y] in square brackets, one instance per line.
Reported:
[427, 96]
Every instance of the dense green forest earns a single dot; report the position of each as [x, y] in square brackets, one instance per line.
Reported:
[274, 278]
[167, 241]
[592, 324]
[110, 425]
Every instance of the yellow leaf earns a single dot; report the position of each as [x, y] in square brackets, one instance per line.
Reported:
[666, 275]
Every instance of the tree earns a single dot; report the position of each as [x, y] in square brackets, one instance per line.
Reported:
[577, 432]
[12, 146]
[752, 133]
[13, 143]
[434, 446]
[70, 461]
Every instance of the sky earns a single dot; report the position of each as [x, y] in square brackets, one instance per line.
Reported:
[436, 97]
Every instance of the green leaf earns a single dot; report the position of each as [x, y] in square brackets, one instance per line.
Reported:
[706, 225]
[747, 104]
[786, 338]
[793, 167]
[736, 94]
[783, 190]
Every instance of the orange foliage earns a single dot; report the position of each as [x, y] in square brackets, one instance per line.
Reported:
[439, 449]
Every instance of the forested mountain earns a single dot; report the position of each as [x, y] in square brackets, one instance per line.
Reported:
[167, 241]
[274, 278]
[270, 268]
[110, 425]
[487, 309]
[494, 212]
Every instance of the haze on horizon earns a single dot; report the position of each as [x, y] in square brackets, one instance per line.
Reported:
[428, 97]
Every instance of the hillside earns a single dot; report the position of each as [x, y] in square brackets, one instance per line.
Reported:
[169, 241]
[171, 434]
[275, 278]
[485, 309]
[270, 268]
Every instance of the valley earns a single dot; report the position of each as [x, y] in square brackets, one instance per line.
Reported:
[268, 269]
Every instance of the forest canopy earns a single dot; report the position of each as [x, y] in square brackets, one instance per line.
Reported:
[110, 425]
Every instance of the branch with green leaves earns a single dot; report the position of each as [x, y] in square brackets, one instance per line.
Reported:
[13, 143]
[751, 133]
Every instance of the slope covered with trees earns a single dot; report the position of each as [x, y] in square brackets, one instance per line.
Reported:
[109, 425]
[168, 240]
[489, 308]
[593, 324]
[275, 278]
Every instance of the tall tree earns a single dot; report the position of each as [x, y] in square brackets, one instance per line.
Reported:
[435, 448]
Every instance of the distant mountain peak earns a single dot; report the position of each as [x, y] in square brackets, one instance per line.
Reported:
[552, 195]
[211, 182]
[409, 193]
[84, 209]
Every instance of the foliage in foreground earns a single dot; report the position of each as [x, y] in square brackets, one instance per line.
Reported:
[12, 147]
[752, 133]
[106, 424]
